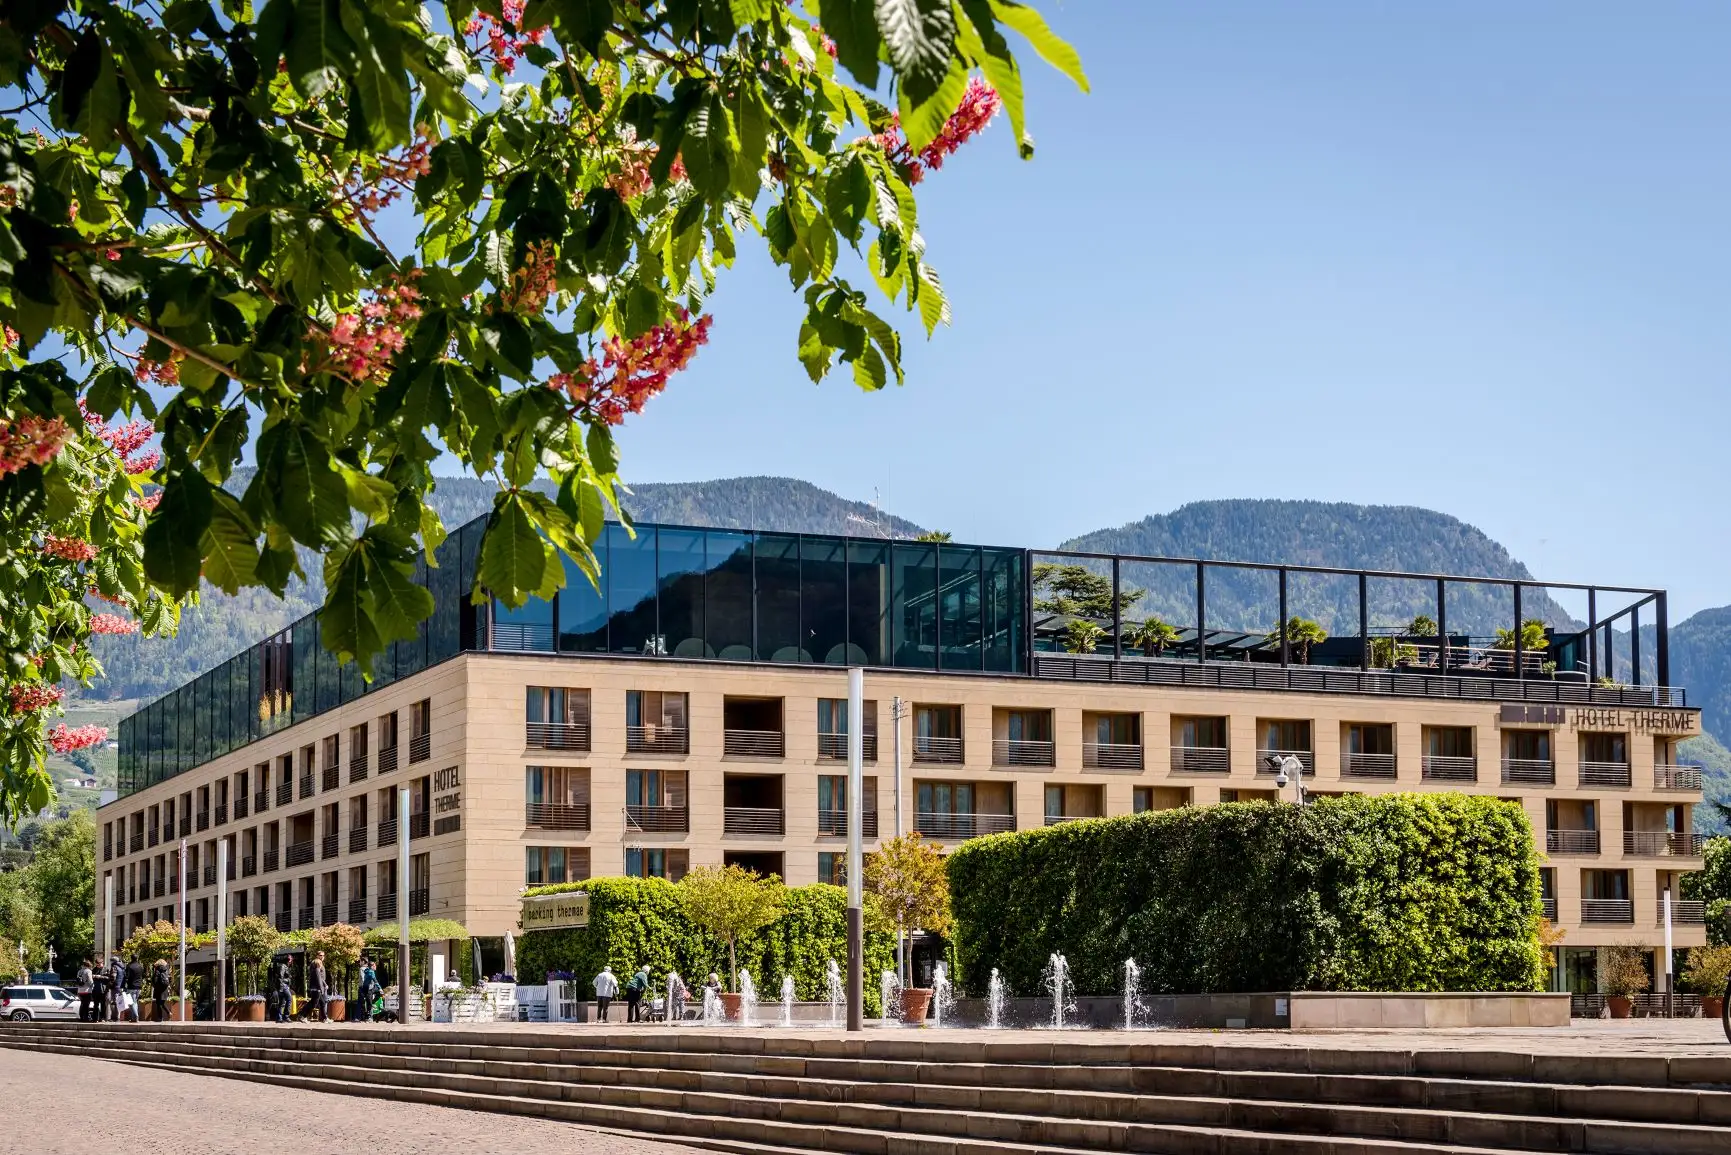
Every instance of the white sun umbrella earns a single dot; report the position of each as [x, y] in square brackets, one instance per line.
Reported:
[510, 954]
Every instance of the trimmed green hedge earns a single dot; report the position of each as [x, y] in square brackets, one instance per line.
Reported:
[633, 921]
[1431, 892]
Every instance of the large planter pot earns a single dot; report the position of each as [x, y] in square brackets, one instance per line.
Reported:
[1712, 1006]
[336, 1010]
[1620, 1007]
[246, 1011]
[916, 1001]
[732, 1005]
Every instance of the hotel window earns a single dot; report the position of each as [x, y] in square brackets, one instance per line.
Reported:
[656, 862]
[832, 867]
[556, 797]
[549, 865]
[557, 718]
[421, 730]
[832, 729]
[1141, 798]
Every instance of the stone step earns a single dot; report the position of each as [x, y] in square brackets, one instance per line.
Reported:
[1105, 1121]
[769, 1134]
[917, 1081]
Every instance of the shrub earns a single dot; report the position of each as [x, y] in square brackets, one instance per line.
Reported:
[1712, 885]
[252, 939]
[341, 943]
[1432, 892]
[731, 903]
[1707, 969]
[637, 921]
[1625, 972]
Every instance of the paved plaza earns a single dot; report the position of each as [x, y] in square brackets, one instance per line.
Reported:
[69, 1105]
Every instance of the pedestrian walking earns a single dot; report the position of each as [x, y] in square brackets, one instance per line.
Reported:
[86, 990]
[159, 991]
[606, 987]
[635, 988]
[676, 996]
[318, 988]
[134, 987]
[99, 993]
[369, 990]
[116, 988]
[285, 991]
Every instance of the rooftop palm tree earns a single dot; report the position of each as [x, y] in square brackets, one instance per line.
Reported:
[1301, 634]
[1153, 635]
[1532, 636]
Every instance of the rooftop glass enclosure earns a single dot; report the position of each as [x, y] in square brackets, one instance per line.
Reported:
[680, 593]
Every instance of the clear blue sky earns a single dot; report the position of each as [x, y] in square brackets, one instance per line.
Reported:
[1472, 256]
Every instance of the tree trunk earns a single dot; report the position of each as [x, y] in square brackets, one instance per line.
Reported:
[732, 965]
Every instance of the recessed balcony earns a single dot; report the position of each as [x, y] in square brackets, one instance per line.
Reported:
[1112, 755]
[962, 826]
[556, 816]
[1450, 768]
[1023, 752]
[1571, 842]
[1530, 771]
[1603, 910]
[1670, 777]
[1661, 844]
[1201, 760]
[753, 821]
[1614, 774]
[1368, 765]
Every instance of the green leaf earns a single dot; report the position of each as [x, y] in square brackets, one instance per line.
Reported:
[923, 120]
[378, 75]
[982, 41]
[346, 622]
[298, 482]
[934, 306]
[603, 450]
[853, 25]
[513, 556]
[1052, 49]
[814, 354]
[173, 538]
[318, 51]
[432, 534]
[920, 36]
[372, 495]
[230, 545]
[399, 605]
[868, 370]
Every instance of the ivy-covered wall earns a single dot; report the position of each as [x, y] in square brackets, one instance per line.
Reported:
[1432, 892]
[633, 921]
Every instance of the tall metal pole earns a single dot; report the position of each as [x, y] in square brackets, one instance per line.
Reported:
[403, 905]
[897, 713]
[1668, 1008]
[106, 935]
[221, 928]
[180, 902]
[855, 851]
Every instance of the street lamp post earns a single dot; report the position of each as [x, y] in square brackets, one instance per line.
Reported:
[855, 850]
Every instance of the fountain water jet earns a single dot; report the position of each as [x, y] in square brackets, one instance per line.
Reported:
[747, 1000]
[1056, 981]
[712, 1012]
[942, 997]
[890, 991]
[787, 1000]
[837, 993]
[996, 997]
[1135, 1010]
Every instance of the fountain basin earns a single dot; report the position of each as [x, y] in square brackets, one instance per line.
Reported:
[731, 1005]
[916, 1002]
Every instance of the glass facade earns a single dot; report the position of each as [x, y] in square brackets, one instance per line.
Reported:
[665, 591]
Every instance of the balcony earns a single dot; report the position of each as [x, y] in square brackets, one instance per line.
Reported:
[1307, 757]
[1111, 756]
[260, 801]
[1367, 766]
[304, 918]
[656, 739]
[1605, 774]
[330, 778]
[248, 865]
[1684, 912]
[753, 743]
[658, 819]
[185, 825]
[270, 860]
[330, 846]
[959, 826]
[357, 911]
[418, 825]
[107, 849]
[387, 759]
[1607, 910]
[1571, 842]
[231, 869]
[174, 884]
[1661, 844]
[158, 888]
[300, 853]
[556, 816]
[168, 831]
[1201, 760]
[137, 841]
[1531, 771]
[221, 814]
[387, 907]
[1450, 768]
[150, 838]
[210, 874]
[285, 793]
[1023, 752]
[753, 821]
[327, 913]
[283, 921]
[203, 820]
[306, 786]
[556, 735]
[240, 810]
[1548, 907]
[420, 748]
[833, 747]
[358, 768]
[387, 833]
[1667, 777]
[358, 838]
[938, 750]
[834, 822]
[418, 901]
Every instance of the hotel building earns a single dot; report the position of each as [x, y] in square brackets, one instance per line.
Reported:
[694, 711]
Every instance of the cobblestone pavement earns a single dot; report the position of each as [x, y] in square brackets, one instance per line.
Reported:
[71, 1105]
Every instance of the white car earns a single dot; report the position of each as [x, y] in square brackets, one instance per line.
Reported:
[23, 1003]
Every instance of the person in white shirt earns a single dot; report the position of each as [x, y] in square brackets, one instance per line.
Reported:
[606, 988]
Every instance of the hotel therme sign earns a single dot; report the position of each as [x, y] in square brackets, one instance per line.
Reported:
[1633, 721]
[556, 911]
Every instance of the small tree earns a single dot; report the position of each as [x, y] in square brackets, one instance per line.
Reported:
[1078, 591]
[1082, 636]
[1301, 634]
[1532, 637]
[252, 939]
[1707, 969]
[1421, 626]
[1550, 937]
[937, 535]
[154, 942]
[1153, 635]
[908, 887]
[341, 943]
[1625, 972]
[731, 903]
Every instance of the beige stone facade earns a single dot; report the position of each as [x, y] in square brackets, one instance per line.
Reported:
[745, 781]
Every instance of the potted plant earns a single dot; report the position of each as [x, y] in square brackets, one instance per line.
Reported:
[1153, 635]
[1624, 977]
[731, 903]
[149, 944]
[1706, 970]
[342, 945]
[906, 887]
[252, 940]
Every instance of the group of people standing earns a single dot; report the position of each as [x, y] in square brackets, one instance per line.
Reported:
[638, 987]
[113, 993]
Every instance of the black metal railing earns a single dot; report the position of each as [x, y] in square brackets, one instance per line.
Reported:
[358, 768]
[418, 825]
[1607, 910]
[1688, 912]
[306, 786]
[150, 836]
[285, 793]
[330, 778]
[943, 751]
[656, 739]
[240, 810]
[387, 835]
[1450, 768]
[1531, 771]
[357, 911]
[270, 860]
[1201, 760]
[304, 918]
[248, 865]
[387, 759]
[387, 906]
[420, 747]
[753, 743]
[1661, 844]
[658, 819]
[1666, 777]
[834, 747]
[137, 841]
[1354, 765]
[1023, 752]
[947, 825]
[418, 901]
[260, 801]
[753, 821]
[556, 816]
[1571, 842]
[330, 846]
[300, 853]
[358, 838]
[1604, 774]
[327, 913]
[221, 814]
[203, 820]
[168, 831]
[1112, 755]
[210, 874]
[283, 922]
[556, 735]
[835, 822]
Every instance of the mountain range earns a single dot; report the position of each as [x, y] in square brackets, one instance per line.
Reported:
[1391, 538]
